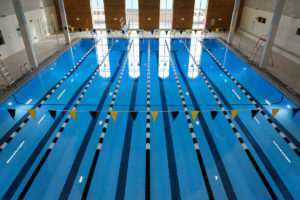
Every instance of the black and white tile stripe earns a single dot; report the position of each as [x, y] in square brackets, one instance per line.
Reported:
[281, 133]
[46, 98]
[36, 171]
[100, 142]
[235, 130]
[147, 180]
[197, 149]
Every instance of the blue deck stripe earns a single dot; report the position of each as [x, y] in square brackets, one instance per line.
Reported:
[175, 189]
[82, 149]
[17, 124]
[19, 178]
[121, 185]
[210, 141]
[268, 165]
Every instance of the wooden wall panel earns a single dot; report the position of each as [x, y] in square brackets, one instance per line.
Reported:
[149, 9]
[78, 13]
[114, 11]
[183, 9]
[221, 9]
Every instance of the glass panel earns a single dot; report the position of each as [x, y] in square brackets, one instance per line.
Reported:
[132, 14]
[199, 14]
[98, 14]
[166, 13]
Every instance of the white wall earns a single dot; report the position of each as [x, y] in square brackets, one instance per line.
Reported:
[286, 42]
[14, 42]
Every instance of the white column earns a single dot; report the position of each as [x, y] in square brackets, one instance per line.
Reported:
[25, 33]
[272, 33]
[64, 20]
[234, 17]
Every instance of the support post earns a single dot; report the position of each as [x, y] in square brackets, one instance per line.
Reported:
[272, 33]
[64, 20]
[25, 33]
[234, 17]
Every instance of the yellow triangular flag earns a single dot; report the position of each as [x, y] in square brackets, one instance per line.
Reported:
[158, 32]
[194, 114]
[129, 32]
[231, 29]
[275, 111]
[87, 30]
[114, 115]
[202, 30]
[188, 32]
[174, 32]
[101, 31]
[145, 32]
[73, 114]
[116, 31]
[217, 30]
[154, 115]
[72, 28]
[32, 113]
[234, 113]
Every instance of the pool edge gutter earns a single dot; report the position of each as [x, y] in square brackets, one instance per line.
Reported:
[42, 65]
[278, 84]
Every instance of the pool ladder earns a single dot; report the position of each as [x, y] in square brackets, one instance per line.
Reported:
[258, 44]
[6, 75]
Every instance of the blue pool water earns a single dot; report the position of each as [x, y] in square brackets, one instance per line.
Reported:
[99, 158]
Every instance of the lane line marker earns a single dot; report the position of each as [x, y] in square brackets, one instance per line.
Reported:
[11, 157]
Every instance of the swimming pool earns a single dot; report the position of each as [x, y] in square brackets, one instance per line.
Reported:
[84, 142]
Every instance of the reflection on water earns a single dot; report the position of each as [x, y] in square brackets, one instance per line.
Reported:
[134, 59]
[196, 53]
[164, 59]
[101, 51]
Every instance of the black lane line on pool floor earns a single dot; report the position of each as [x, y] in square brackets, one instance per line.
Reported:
[101, 139]
[123, 169]
[51, 146]
[26, 167]
[175, 189]
[197, 148]
[12, 132]
[147, 178]
[83, 147]
[208, 135]
[285, 134]
[272, 172]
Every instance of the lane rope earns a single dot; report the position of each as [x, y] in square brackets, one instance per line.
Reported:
[100, 142]
[235, 130]
[250, 97]
[147, 180]
[22, 124]
[54, 141]
[191, 128]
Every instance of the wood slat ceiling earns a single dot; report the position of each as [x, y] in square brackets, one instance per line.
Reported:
[149, 9]
[183, 13]
[221, 9]
[114, 11]
[78, 13]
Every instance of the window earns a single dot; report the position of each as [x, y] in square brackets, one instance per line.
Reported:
[199, 14]
[166, 14]
[132, 14]
[98, 14]
[1, 38]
